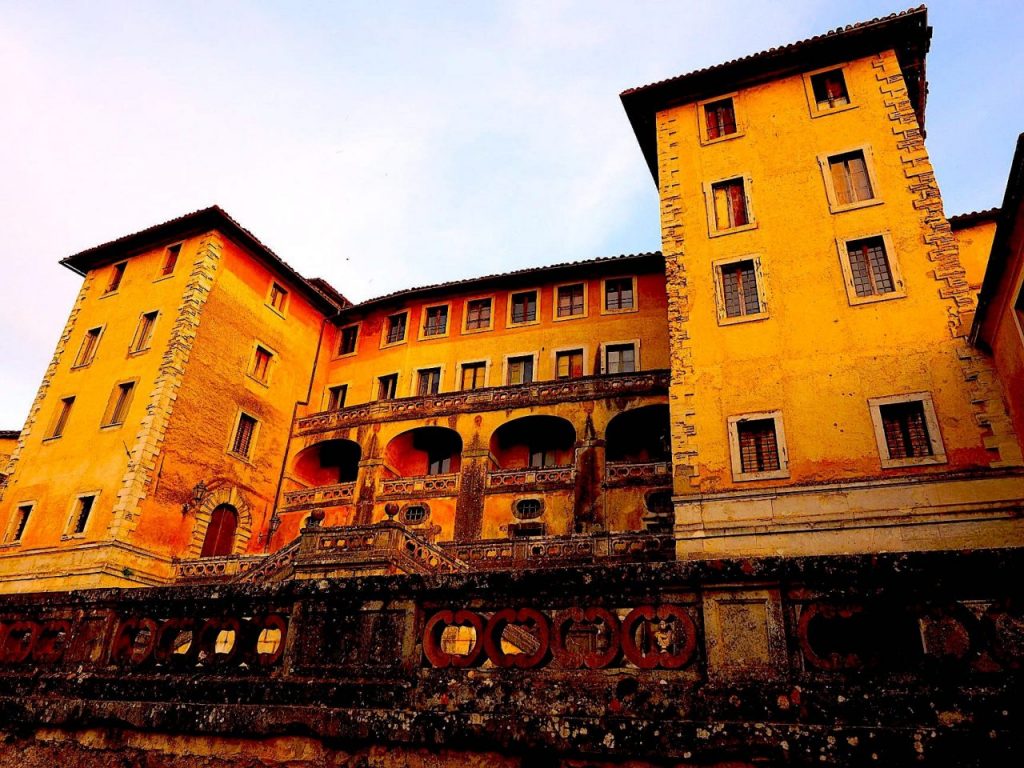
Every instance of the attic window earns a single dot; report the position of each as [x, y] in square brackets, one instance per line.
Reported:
[829, 89]
[116, 275]
[720, 118]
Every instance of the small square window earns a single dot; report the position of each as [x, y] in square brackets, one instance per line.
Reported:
[618, 294]
[143, 333]
[17, 527]
[571, 300]
[473, 375]
[524, 307]
[719, 118]
[87, 352]
[261, 364]
[336, 397]
[60, 418]
[757, 446]
[428, 382]
[620, 358]
[80, 514]
[829, 90]
[396, 328]
[170, 260]
[520, 370]
[906, 430]
[120, 401]
[278, 297]
[245, 431]
[347, 340]
[739, 291]
[569, 364]
[436, 321]
[850, 181]
[478, 314]
[387, 387]
[116, 276]
[729, 205]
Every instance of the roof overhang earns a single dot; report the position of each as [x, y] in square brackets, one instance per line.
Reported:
[190, 225]
[907, 33]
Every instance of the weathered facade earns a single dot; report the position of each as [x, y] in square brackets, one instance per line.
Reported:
[755, 501]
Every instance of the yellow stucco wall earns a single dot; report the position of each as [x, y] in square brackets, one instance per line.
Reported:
[975, 244]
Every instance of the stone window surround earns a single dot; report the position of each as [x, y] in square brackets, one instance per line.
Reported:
[738, 475]
[931, 423]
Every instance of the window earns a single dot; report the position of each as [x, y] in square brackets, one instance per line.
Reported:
[757, 447]
[620, 358]
[414, 514]
[336, 397]
[439, 462]
[80, 514]
[719, 118]
[116, 275]
[520, 370]
[387, 387]
[478, 314]
[170, 260]
[143, 333]
[528, 509]
[1018, 308]
[906, 430]
[120, 400]
[87, 351]
[739, 292]
[261, 364]
[473, 375]
[278, 296]
[541, 457]
[396, 328]
[870, 270]
[436, 321]
[245, 431]
[569, 364]
[618, 294]
[829, 90]
[524, 307]
[17, 527]
[347, 341]
[526, 531]
[429, 381]
[849, 179]
[571, 300]
[60, 418]
[729, 205]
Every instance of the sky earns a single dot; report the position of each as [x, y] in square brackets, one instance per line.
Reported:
[386, 145]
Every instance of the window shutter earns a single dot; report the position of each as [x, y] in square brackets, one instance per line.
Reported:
[739, 204]
[841, 182]
[859, 180]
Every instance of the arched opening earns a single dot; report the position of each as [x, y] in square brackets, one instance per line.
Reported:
[425, 451]
[534, 442]
[220, 533]
[328, 463]
[639, 436]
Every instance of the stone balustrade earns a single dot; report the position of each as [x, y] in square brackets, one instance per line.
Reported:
[420, 487]
[320, 496]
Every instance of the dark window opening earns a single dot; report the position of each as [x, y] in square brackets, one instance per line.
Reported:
[61, 419]
[759, 447]
[869, 267]
[387, 387]
[336, 397]
[524, 307]
[429, 382]
[570, 300]
[730, 204]
[396, 328]
[243, 435]
[850, 178]
[436, 323]
[829, 89]
[618, 293]
[739, 289]
[220, 533]
[82, 510]
[620, 358]
[478, 314]
[116, 275]
[906, 430]
[347, 345]
[170, 259]
[720, 118]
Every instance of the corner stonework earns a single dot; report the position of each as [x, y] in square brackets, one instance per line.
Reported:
[145, 450]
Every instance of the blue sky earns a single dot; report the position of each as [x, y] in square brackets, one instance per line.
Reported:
[385, 145]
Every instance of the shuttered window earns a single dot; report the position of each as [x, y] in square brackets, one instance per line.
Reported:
[730, 204]
[520, 370]
[850, 178]
[720, 118]
[759, 447]
[144, 333]
[242, 443]
[569, 364]
[739, 289]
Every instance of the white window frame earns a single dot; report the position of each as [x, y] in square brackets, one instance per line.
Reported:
[899, 287]
[931, 424]
[762, 298]
[709, 204]
[824, 162]
[738, 475]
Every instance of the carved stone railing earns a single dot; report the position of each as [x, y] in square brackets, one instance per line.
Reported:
[647, 383]
[535, 478]
[385, 547]
[650, 473]
[322, 495]
[420, 487]
[215, 568]
[888, 659]
[560, 551]
[274, 567]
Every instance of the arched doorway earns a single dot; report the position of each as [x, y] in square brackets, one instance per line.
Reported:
[220, 533]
